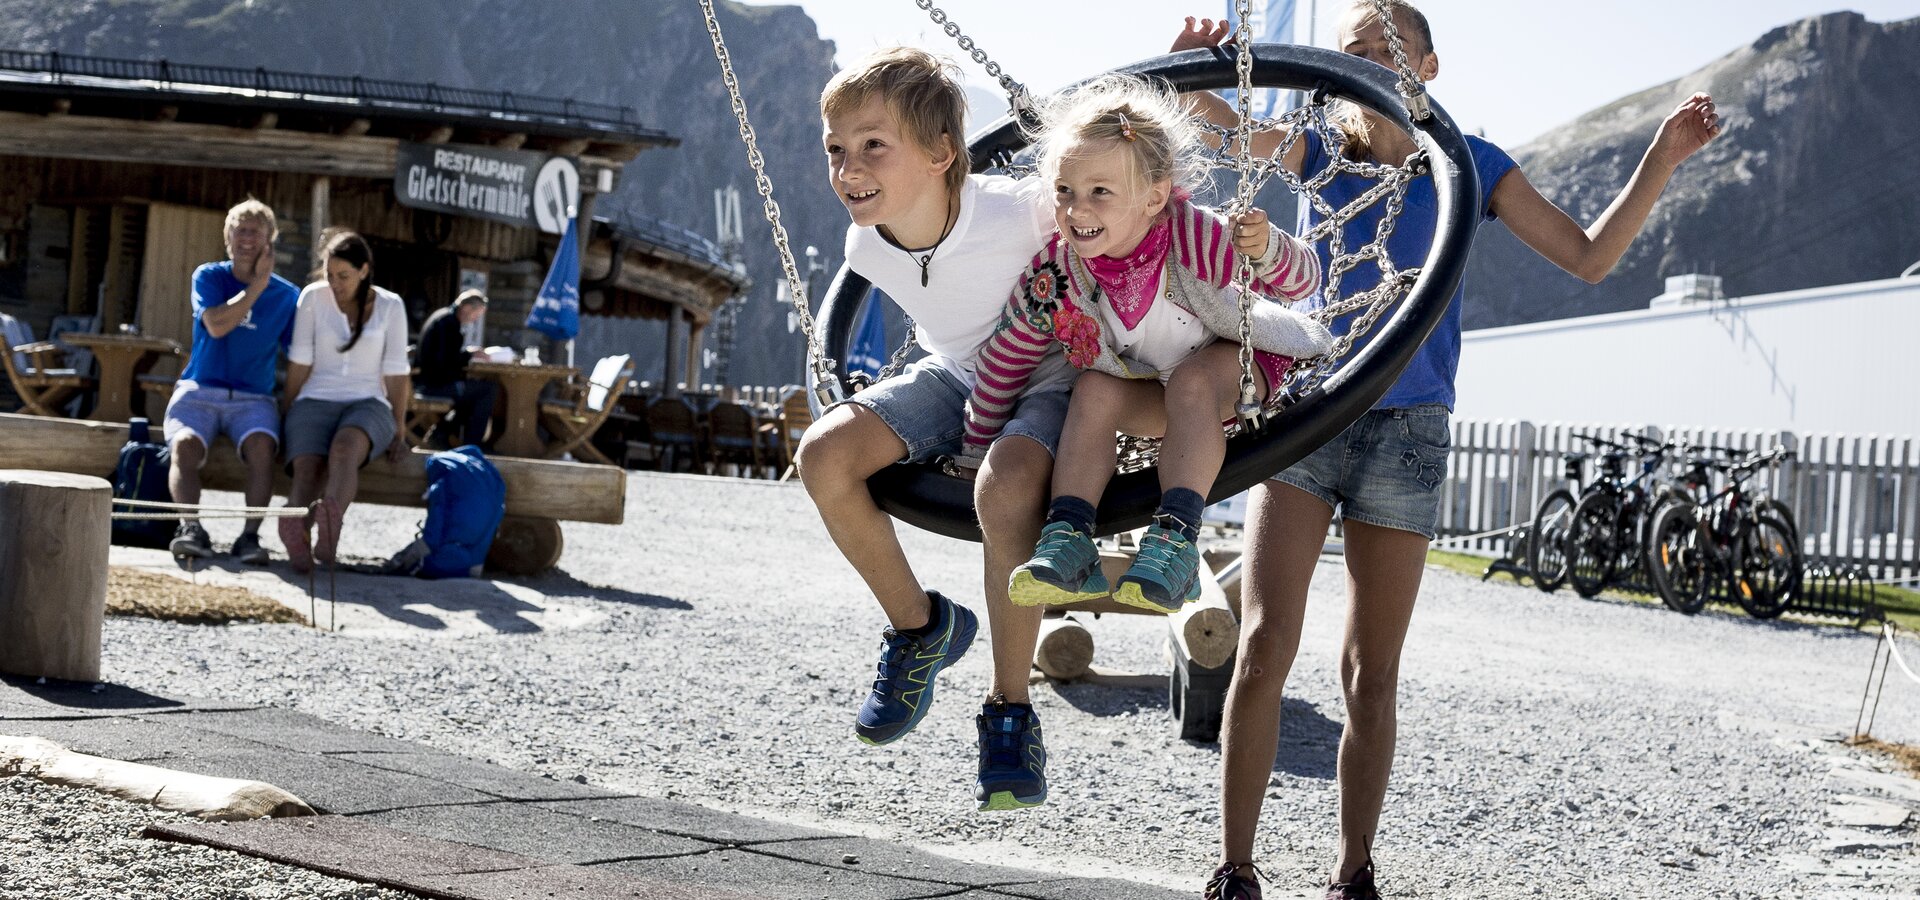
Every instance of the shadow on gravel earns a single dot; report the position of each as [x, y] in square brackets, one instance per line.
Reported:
[1309, 741]
[79, 696]
[1107, 700]
[561, 583]
[406, 599]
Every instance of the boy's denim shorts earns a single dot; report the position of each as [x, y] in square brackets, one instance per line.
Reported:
[1385, 469]
[926, 406]
[207, 413]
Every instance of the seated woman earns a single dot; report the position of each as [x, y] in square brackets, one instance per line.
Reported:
[349, 383]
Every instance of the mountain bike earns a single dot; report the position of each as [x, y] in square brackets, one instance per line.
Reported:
[1547, 536]
[1730, 540]
[1605, 533]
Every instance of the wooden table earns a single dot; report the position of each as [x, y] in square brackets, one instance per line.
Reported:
[123, 357]
[522, 385]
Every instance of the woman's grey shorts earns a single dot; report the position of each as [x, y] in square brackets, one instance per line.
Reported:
[311, 425]
[1385, 469]
[926, 406]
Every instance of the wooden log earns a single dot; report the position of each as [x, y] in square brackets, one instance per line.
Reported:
[53, 572]
[525, 546]
[1065, 650]
[1206, 631]
[202, 796]
[571, 492]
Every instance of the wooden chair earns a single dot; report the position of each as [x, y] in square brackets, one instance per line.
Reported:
[796, 415]
[574, 422]
[424, 412]
[43, 386]
[674, 433]
[738, 436]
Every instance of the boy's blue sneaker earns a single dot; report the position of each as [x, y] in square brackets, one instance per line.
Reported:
[908, 663]
[1065, 568]
[1013, 761]
[1164, 577]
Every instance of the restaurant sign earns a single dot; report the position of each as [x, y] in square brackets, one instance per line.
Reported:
[531, 190]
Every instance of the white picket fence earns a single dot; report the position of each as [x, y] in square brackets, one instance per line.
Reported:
[1855, 498]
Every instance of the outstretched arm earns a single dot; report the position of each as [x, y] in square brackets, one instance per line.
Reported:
[1204, 33]
[1593, 252]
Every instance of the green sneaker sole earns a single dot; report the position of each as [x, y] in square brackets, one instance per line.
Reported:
[1130, 594]
[1026, 590]
[1002, 801]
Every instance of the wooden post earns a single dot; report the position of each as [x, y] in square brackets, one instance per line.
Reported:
[319, 215]
[53, 572]
[525, 545]
[1065, 650]
[1206, 630]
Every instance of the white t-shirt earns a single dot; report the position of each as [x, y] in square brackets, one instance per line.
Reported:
[1163, 339]
[320, 328]
[1003, 222]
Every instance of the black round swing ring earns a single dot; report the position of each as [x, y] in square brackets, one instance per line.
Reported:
[922, 495]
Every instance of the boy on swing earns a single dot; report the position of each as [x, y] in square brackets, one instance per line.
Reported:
[947, 247]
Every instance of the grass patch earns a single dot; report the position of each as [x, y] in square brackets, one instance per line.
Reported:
[131, 592]
[1907, 755]
[1902, 605]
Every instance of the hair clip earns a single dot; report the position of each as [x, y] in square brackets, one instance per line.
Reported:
[1126, 128]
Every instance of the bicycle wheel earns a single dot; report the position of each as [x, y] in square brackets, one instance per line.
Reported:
[1766, 575]
[1547, 541]
[1590, 544]
[1676, 562]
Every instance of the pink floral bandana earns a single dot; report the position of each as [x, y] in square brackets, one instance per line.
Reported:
[1130, 282]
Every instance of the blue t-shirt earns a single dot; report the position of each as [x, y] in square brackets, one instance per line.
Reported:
[244, 360]
[1429, 377]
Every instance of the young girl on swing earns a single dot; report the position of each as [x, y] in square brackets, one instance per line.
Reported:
[1384, 471]
[1137, 286]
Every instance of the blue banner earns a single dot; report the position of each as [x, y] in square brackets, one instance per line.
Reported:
[867, 351]
[1272, 24]
[556, 311]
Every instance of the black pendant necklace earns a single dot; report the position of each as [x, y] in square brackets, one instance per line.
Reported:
[925, 259]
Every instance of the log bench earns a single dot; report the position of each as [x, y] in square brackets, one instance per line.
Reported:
[540, 493]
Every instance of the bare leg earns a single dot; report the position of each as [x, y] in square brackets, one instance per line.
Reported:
[1200, 395]
[257, 452]
[1102, 405]
[835, 458]
[308, 470]
[344, 457]
[183, 476]
[1384, 566]
[1010, 496]
[1285, 530]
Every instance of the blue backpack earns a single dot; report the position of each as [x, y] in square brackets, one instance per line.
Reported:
[466, 500]
[142, 475]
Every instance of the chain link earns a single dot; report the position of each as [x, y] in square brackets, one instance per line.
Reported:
[1410, 88]
[1248, 409]
[1017, 96]
[826, 385]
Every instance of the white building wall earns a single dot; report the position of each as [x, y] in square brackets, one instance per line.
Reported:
[1835, 359]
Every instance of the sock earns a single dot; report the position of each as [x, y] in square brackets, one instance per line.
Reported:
[1073, 511]
[1180, 511]
[933, 621]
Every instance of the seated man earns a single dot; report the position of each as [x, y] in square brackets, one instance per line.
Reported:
[242, 322]
[442, 358]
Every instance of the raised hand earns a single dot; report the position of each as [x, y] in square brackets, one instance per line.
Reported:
[1691, 126]
[1251, 234]
[262, 268]
[1200, 33]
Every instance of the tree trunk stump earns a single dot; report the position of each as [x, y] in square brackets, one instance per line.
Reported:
[54, 530]
[525, 545]
[1065, 650]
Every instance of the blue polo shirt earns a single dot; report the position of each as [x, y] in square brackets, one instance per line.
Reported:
[1429, 377]
[244, 360]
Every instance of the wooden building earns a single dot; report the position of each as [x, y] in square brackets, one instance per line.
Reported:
[115, 177]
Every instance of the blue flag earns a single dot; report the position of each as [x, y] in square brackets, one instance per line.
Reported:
[1272, 24]
[556, 311]
[867, 350]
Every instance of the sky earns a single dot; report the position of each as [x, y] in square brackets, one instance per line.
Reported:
[1510, 69]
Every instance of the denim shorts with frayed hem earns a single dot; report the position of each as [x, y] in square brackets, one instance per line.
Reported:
[926, 406]
[1385, 469]
[312, 424]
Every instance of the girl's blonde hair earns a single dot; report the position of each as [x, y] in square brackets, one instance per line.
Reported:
[1417, 37]
[923, 94]
[1145, 117]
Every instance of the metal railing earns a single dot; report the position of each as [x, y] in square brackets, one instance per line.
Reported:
[557, 110]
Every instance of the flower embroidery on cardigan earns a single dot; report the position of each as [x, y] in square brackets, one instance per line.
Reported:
[1045, 288]
[1080, 334]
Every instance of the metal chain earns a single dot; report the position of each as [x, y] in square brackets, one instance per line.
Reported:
[899, 357]
[1248, 409]
[826, 386]
[1410, 88]
[1017, 96]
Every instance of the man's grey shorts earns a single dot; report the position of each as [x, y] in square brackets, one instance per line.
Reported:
[926, 406]
[311, 425]
[1385, 469]
[207, 413]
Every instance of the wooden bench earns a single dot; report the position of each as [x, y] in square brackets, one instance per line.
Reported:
[540, 493]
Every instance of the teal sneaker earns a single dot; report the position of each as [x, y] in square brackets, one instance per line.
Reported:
[1165, 576]
[1065, 568]
[903, 687]
[1013, 759]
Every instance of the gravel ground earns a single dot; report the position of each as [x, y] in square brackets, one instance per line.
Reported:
[1547, 744]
